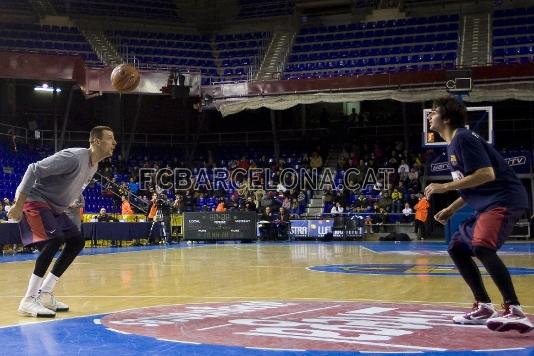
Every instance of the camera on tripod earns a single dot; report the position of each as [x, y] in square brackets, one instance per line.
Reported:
[163, 205]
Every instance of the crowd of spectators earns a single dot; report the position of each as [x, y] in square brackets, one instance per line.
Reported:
[381, 201]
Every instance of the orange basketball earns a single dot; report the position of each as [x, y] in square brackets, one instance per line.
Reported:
[125, 78]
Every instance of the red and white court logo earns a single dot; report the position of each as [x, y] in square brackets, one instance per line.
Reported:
[339, 326]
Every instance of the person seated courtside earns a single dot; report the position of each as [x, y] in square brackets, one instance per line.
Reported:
[282, 224]
[266, 225]
[103, 216]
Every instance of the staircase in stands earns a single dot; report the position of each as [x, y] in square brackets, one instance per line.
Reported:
[104, 49]
[275, 58]
[475, 37]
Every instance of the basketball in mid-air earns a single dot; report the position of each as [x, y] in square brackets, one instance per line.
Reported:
[125, 78]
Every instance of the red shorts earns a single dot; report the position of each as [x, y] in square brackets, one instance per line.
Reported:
[488, 229]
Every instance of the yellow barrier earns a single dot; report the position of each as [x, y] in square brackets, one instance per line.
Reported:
[177, 221]
[127, 218]
[177, 225]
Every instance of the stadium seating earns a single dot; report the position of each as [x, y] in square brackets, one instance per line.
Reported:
[16, 7]
[46, 39]
[513, 35]
[264, 8]
[374, 47]
[230, 58]
[167, 50]
[157, 10]
[240, 53]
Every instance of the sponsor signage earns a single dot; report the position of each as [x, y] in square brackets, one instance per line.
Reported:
[239, 225]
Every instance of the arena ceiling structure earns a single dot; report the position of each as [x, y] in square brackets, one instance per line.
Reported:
[491, 80]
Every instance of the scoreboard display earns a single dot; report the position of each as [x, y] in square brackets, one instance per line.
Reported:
[238, 225]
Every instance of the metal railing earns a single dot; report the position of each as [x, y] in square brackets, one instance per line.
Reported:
[17, 131]
[217, 138]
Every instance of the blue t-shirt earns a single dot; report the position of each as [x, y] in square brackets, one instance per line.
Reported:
[468, 152]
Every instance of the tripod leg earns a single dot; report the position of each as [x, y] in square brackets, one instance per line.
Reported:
[150, 238]
[164, 232]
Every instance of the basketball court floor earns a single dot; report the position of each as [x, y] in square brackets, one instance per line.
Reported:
[298, 298]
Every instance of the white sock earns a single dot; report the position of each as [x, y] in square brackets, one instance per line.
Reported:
[49, 283]
[33, 286]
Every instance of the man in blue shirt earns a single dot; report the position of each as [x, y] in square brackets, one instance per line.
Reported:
[486, 183]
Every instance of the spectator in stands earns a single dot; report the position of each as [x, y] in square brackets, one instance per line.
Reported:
[362, 168]
[126, 208]
[280, 188]
[267, 200]
[295, 209]
[258, 196]
[316, 161]
[305, 160]
[188, 201]
[337, 209]
[368, 224]
[378, 186]
[392, 161]
[234, 203]
[328, 196]
[13, 142]
[244, 188]
[178, 204]
[413, 175]
[133, 186]
[365, 118]
[487, 184]
[403, 170]
[354, 118]
[250, 205]
[301, 199]
[407, 213]
[385, 201]
[286, 202]
[421, 216]
[396, 198]
[413, 183]
[47, 189]
[6, 205]
[362, 201]
[3, 212]
[380, 218]
[221, 208]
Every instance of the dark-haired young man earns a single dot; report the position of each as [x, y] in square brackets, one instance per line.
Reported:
[487, 184]
[46, 191]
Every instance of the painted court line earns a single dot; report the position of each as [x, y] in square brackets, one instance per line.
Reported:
[302, 311]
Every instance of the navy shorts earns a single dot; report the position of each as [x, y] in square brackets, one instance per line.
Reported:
[40, 223]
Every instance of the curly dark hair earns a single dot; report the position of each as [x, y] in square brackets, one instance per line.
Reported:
[451, 109]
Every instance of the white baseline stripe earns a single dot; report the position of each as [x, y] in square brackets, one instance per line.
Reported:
[300, 312]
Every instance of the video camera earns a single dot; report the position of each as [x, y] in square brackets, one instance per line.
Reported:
[163, 204]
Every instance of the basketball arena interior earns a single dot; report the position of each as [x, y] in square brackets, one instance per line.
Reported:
[263, 196]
